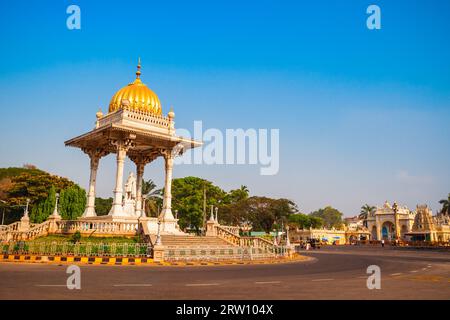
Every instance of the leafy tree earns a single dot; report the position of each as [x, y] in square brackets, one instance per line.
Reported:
[153, 197]
[316, 222]
[40, 212]
[261, 212]
[236, 195]
[102, 206]
[445, 205]
[19, 184]
[332, 217]
[72, 202]
[187, 198]
[365, 212]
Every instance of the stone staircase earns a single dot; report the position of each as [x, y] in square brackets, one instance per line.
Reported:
[193, 241]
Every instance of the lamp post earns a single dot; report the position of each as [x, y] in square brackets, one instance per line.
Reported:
[55, 213]
[397, 222]
[158, 235]
[216, 209]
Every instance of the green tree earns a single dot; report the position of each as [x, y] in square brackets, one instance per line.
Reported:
[236, 195]
[152, 197]
[332, 217]
[72, 202]
[303, 221]
[445, 205]
[365, 212]
[40, 212]
[187, 198]
[102, 206]
[261, 212]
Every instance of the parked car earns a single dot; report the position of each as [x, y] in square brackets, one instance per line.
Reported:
[315, 243]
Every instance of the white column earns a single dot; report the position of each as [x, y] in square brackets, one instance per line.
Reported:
[117, 208]
[139, 174]
[166, 214]
[90, 205]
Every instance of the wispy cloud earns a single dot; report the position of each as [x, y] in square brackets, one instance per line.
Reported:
[404, 176]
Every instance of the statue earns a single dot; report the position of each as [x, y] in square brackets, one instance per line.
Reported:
[130, 187]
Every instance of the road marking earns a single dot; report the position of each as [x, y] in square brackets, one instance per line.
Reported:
[133, 285]
[414, 271]
[266, 282]
[396, 274]
[322, 279]
[201, 284]
[51, 285]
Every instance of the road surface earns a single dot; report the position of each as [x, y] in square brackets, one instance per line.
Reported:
[332, 273]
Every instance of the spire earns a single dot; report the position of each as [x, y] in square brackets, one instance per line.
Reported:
[138, 72]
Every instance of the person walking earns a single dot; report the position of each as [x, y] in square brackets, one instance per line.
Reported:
[382, 243]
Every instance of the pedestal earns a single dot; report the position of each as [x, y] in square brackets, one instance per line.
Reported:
[158, 253]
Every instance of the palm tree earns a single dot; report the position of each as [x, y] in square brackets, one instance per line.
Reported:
[365, 211]
[152, 197]
[445, 205]
[244, 189]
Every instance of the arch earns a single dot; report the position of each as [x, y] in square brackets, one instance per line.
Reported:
[403, 230]
[387, 230]
[373, 233]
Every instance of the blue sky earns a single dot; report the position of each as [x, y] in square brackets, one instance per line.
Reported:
[363, 115]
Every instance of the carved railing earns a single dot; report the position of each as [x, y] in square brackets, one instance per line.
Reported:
[68, 227]
[214, 253]
[36, 231]
[110, 249]
[232, 229]
[224, 233]
[12, 227]
[125, 113]
[97, 227]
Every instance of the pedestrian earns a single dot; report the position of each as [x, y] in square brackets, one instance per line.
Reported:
[382, 243]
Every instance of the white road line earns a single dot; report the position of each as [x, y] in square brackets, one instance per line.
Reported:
[414, 271]
[322, 279]
[201, 284]
[133, 285]
[266, 282]
[396, 274]
[51, 285]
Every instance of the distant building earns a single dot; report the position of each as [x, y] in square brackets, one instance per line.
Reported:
[429, 228]
[354, 223]
[389, 222]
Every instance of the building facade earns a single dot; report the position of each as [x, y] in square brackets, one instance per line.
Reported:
[390, 222]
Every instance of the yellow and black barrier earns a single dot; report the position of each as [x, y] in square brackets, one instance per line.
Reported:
[131, 261]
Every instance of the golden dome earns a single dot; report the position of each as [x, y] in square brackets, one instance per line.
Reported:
[136, 96]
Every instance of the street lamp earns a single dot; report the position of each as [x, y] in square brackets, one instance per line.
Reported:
[158, 235]
[217, 217]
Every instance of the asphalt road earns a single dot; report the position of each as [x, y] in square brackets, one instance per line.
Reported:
[332, 273]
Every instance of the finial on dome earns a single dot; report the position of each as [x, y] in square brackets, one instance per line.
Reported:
[99, 113]
[138, 72]
[171, 114]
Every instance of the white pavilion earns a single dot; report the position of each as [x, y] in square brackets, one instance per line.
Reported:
[135, 127]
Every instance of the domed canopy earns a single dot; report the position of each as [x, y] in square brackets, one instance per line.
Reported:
[136, 96]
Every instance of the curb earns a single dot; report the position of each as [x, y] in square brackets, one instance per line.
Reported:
[131, 261]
